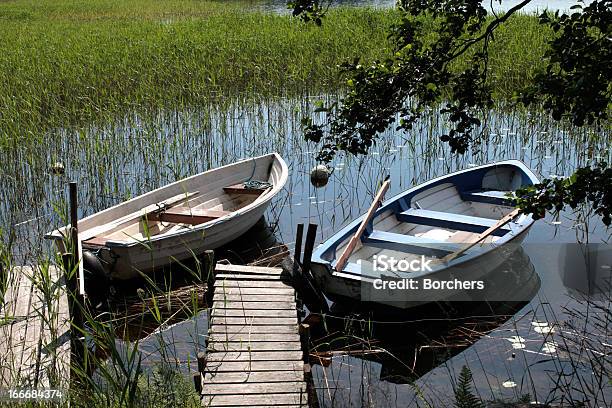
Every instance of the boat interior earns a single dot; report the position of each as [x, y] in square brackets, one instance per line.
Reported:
[433, 223]
[178, 213]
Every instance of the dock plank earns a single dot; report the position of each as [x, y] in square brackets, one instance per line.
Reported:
[252, 366]
[285, 291]
[254, 356]
[221, 312]
[246, 305]
[254, 321]
[253, 337]
[274, 400]
[252, 297]
[257, 270]
[253, 377]
[252, 388]
[254, 346]
[254, 353]
[268, 284]
[35, 340]
[260, 329]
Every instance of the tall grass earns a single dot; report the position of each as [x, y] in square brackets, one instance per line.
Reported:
[73, 61]
[69, 62]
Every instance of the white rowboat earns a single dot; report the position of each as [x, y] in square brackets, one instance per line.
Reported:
[182, 219]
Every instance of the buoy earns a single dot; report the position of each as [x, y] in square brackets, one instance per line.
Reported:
[319, 175]
[57, 168]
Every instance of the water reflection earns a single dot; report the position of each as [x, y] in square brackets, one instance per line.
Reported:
[587, 269]
[409, 344]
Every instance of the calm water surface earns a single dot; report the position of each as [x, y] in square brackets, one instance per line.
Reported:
[515, 352]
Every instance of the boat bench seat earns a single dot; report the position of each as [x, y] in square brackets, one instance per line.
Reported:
[185, 215]
[241, 189]
[488, 197]
[452, 221]
[409, 243]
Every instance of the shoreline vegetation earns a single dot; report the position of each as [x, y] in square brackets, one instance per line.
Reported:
[74, 62]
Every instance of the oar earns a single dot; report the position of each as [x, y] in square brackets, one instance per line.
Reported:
[355, 238]
[503, 221]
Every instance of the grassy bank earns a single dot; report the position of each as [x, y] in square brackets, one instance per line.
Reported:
[66, 61]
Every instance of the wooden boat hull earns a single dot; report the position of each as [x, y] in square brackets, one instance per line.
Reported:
[180, 220]
[431, 220]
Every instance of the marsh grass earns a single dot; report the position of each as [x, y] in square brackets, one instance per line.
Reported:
[73, 62]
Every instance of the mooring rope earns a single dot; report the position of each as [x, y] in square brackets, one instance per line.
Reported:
[256, 184]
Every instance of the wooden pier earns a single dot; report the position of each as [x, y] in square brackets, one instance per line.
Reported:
[254, 355]
[34, 329]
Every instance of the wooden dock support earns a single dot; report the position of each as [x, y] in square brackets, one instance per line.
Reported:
[77, 301]
[309, 292]
[254, 353]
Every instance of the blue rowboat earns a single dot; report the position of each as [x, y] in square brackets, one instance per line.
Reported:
[419, 246]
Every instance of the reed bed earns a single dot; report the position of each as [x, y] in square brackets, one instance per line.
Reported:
[73, 62]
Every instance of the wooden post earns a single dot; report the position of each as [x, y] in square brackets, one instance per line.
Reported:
[304, 331]
[76, 301]
[311, 236]
[209, 270]
[201, 361]
[298, 246]
[197, 382]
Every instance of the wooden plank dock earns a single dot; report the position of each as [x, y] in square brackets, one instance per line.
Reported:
[254, 351]
[34, 329]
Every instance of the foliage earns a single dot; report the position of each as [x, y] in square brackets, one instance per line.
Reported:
[421, 73]
[463, 392]
[576, 81]
[592, 185]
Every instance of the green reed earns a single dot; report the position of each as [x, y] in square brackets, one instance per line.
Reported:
[71, 62]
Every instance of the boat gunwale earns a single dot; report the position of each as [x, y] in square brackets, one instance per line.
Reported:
[57, 234]
[345, 232]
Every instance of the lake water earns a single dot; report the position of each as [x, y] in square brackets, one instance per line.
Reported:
[518, 350]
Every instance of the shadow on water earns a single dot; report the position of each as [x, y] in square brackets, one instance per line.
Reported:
[177, 293]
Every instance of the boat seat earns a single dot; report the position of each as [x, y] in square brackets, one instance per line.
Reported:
[241, 189]
[458, 222]
[185, 215]
[409, 243]
[488, 197]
